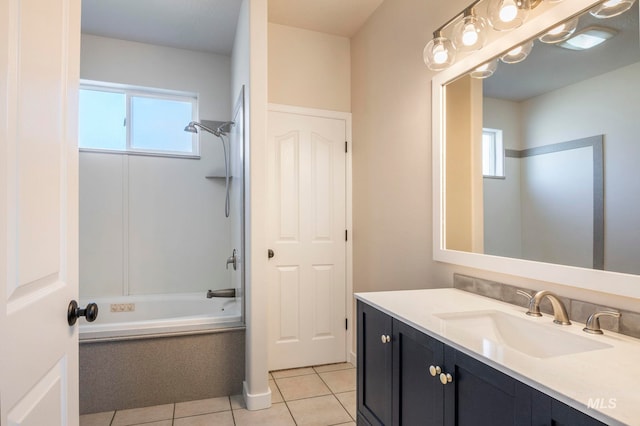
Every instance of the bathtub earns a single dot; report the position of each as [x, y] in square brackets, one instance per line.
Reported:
[128, 317]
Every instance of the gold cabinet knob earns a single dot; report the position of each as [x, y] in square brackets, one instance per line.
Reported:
[434, 370]
[445, 378]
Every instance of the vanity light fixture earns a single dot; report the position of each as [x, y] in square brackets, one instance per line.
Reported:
[611, 8]
[469, 33]
[588, 38]
[561, 32]
[517, 54]
[485, 70]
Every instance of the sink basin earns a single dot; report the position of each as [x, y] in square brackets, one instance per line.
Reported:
[493, 331]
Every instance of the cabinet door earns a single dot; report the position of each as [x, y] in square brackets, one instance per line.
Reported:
[418, 397]
[551, 412]
[482, 396]
[374, 365]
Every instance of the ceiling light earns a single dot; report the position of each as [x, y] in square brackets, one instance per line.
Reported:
[611, 8]
[517, 54]
[439, 53]
[486, 70]
[560, 32]
[588, 38]
[469, 32]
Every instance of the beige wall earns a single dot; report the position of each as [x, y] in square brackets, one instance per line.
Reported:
[464, 230]
[391, 106]
[309, 69]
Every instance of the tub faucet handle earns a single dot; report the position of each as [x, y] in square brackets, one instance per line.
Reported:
[233, 259]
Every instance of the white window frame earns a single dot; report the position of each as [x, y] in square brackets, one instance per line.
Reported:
[146, 92]
[497, 153]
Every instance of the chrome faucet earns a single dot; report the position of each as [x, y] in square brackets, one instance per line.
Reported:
[560, 315]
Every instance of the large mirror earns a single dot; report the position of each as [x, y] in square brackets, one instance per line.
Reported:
[536, 165]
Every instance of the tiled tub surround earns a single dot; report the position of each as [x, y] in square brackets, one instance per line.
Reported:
[579, 311]
[612, 373]
[149, 371]
[322, 396]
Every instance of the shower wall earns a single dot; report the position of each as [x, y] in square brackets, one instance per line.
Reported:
[155, 224]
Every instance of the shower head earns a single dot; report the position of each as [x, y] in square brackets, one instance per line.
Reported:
[193, 126]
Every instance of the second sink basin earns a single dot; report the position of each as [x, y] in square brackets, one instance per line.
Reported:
[494, 330]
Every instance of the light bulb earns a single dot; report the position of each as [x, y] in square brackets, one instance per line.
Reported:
[485, 70]
[505, 15]
[517, 54]
[469, 36]
[515, 51]
[611, 8]
[440, 54]
[508, 11]
[557, 30]
[469, 33]
[560, 32]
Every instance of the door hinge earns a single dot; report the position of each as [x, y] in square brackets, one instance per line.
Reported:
[346, 235]
[346, 144]
[346, 323]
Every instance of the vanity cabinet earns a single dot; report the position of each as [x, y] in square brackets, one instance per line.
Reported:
[396, 385]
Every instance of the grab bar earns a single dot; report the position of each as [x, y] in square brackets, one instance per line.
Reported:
[225, 292]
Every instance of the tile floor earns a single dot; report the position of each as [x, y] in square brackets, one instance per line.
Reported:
[324, 395]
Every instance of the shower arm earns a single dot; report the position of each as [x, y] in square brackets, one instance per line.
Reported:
[206, 128]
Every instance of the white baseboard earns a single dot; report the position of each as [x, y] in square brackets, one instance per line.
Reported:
[257, 401]
[353, 358]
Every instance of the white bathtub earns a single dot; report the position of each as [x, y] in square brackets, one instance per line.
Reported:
[132, 316]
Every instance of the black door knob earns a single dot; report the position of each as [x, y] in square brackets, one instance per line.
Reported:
[74, 312]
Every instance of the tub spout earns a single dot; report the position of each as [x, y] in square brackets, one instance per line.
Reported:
[225, 292]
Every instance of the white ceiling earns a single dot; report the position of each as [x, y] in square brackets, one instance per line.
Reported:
[338, 17]
[210, 25]
[205, 25]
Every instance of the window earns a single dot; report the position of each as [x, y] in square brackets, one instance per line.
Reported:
[492, 153]
[139, 120]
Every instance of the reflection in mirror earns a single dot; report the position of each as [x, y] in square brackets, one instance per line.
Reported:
[554, 176]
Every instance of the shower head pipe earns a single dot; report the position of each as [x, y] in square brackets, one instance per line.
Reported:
[217, 128]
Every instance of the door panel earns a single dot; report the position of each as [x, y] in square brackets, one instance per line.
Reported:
[39, 66]
[375, 366]
[307, 217]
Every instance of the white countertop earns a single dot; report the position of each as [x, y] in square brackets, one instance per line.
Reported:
[611, 375]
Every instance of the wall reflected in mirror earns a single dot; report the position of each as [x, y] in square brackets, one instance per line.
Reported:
[516, 186]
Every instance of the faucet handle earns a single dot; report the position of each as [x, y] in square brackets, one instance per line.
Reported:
[524, 293]
[593, 322]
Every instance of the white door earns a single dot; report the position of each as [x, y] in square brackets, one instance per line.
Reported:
[39, 66]
[307, 278]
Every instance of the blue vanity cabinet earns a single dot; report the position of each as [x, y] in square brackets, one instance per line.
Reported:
[480, 395]
[396, 386]
[551, 412]
[375, 366]
[417, 394]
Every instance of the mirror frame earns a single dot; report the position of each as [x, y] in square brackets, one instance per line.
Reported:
[540, 19]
